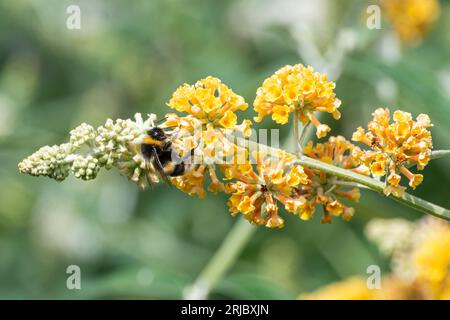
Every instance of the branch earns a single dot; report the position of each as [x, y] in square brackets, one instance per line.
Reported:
[222, 260]
[407, 199]
[375, 185]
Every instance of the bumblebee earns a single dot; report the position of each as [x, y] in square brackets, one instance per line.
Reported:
[156, 148]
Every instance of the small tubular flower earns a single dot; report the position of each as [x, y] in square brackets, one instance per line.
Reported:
[395, 147]
[256, 194]
[192, 182]
[297, 89]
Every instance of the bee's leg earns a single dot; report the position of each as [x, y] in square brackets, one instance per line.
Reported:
[167, 146]
[179, 170]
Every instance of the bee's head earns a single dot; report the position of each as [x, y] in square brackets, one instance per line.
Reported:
[157, 133]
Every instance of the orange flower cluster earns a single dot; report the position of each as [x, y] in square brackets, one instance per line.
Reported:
[325, 190]
[297, 89]
[254, 194]
[395, 146]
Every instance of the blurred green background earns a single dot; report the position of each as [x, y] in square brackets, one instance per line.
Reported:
[129, 57]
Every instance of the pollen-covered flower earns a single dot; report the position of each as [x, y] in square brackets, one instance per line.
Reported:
[297, 89]
[256, 194]
[395, 146]
[210, 101]
[326, 190]
[411, 19]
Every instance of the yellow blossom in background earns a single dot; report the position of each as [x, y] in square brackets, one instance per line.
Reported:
[356, 288]
[411, 19]
[255, 193]
[322, 188]
[297, 89]
[350, 289]
[431, 258]
[420, 255]
[395, 146]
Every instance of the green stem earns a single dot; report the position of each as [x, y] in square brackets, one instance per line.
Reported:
[297, 143]
[222, 260]
[407, 199]
[375, 185]
[434, 155]
[304, 133]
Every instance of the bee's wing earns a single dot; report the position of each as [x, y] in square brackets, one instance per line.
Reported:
[159, 167]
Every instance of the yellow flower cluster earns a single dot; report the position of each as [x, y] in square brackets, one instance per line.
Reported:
[297, 89]
[411, 19]
[254, 194]
[210, 101]
[421, 265]
[325, 190]
[395, 146]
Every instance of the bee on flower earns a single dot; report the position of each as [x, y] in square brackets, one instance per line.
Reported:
[299, 90]
[207, 128]
[326, 190]
[395, 147]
